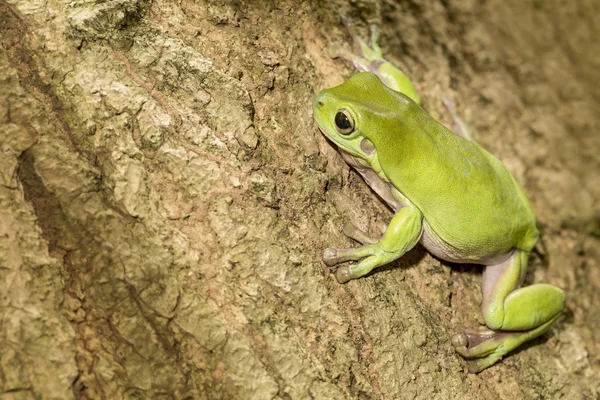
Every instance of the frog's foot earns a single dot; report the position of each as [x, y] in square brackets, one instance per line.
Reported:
[512, 313]
[402, 233]
[460, 126]
[370, 256]
[367, 57]
[484, 347]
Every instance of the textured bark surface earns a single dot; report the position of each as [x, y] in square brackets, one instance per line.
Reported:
[165, 199]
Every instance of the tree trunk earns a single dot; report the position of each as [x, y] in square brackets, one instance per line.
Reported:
[165, 198]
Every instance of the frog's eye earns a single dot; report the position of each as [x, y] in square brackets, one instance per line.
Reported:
[344, 122]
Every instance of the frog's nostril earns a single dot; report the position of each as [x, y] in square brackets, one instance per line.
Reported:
[318, 101]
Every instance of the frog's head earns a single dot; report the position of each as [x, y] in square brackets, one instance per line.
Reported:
[357, 115]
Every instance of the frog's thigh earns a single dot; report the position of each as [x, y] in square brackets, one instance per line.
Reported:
[507, 307]
[441, 249]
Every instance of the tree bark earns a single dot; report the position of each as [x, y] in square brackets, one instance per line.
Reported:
[165, 199]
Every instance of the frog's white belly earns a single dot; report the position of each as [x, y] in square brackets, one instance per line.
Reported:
[439, 248]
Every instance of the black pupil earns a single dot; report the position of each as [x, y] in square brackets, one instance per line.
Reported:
[342, 121]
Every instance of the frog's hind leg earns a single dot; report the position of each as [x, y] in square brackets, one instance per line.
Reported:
[513, 315]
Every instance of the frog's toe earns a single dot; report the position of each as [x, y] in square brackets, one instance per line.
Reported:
[479, 364]
[355, 233]
[342, 275]
[335, 50]
[375, 35]
[474, 343]
[481, 348]
[459, 341]
[330, 257]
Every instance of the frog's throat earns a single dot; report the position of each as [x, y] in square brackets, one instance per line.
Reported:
[361, 164]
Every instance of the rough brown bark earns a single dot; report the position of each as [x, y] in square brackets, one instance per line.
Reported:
[165, 198]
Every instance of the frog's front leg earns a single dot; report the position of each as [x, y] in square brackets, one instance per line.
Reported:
[403, 232]
[513, 315]
[370, 58]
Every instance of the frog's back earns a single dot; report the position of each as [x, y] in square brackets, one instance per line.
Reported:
[466, 195]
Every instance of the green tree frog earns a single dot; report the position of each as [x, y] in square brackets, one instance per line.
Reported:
[448, 194]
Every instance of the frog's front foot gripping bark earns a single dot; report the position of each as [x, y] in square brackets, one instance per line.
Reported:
[401, 235]
[343, 274]
[513, 315]
[370, 256]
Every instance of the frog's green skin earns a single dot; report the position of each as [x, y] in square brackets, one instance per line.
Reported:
[448, 193]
